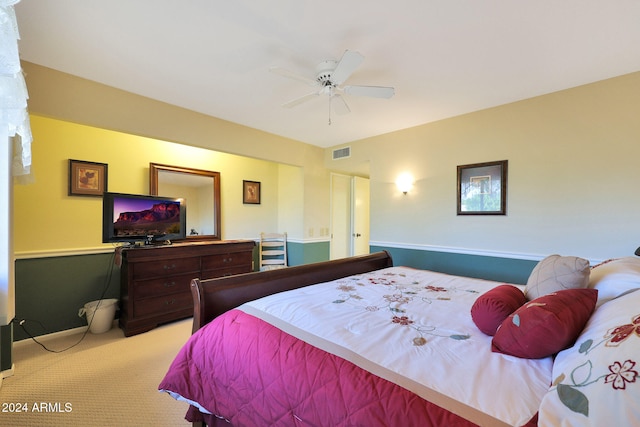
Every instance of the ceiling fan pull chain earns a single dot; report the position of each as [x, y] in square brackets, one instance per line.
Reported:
[330, 97]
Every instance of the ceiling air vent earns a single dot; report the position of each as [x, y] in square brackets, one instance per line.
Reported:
[341, 153]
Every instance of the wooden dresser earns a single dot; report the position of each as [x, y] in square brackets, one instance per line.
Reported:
[155, 281]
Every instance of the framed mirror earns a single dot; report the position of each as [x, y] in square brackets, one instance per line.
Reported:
[200, 189]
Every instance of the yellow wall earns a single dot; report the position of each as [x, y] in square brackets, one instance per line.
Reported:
[72, 99]
[572, 167]
[572, 180]
[291, 200]
[46, 218]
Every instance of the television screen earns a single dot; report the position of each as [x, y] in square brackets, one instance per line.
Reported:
[133, 217]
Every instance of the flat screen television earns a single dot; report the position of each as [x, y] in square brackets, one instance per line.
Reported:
[139, 218]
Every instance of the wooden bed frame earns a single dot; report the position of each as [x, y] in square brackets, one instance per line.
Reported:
[213, 297]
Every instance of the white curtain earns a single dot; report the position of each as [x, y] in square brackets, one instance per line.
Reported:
[14, 117]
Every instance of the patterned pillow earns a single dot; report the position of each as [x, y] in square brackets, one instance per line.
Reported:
[555, 273]
[492, 307]
[546, 325]
[597, 381]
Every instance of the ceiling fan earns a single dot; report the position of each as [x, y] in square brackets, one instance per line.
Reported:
[330, 76]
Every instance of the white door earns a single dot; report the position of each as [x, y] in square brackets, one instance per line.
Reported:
[349, 216]
[360, 207]
[340, 216]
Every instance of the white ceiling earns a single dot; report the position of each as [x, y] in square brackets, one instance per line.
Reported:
[444, 57]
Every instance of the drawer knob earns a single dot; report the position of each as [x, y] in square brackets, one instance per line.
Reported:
[169, 302]
[169, 284]
[169, 267]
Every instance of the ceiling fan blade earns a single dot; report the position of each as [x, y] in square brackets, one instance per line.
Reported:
[291, 75]
[347, 65]
[339, 105]
[300, 100]
[373, 91]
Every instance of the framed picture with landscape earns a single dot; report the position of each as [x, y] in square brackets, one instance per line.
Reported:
[87, 178]
[482, 188]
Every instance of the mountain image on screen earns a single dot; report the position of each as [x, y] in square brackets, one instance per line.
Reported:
[162, 218]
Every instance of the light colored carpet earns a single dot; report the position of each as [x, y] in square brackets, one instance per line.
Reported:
[106, 380]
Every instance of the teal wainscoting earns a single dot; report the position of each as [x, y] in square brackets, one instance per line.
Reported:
[498, 269]
[298, 253]
[307, 253]
[50, 291]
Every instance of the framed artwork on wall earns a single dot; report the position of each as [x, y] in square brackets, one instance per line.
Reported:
[87, 178]
[482, 188]
[251, 192]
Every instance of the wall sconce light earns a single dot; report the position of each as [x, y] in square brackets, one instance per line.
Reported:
[404, 182]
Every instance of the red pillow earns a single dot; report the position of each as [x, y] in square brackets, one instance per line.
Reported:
[492, 307]
[546, 325]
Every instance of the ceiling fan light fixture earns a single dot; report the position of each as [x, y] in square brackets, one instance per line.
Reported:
[324, 71]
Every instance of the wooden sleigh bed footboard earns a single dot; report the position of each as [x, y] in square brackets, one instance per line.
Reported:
[213, 297]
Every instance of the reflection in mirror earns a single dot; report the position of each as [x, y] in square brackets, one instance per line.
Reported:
[200, 189]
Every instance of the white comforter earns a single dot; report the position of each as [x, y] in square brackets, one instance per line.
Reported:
[414, 327]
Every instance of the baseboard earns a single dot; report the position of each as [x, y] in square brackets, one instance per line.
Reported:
[7, 373]
[52, 335]
[59, 334]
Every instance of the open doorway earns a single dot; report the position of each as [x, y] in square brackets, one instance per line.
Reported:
[349, 216]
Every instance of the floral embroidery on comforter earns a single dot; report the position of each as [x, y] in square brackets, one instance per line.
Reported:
[413, 327]
[405, 295]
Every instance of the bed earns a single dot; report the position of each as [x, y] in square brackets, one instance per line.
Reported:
[360, 342]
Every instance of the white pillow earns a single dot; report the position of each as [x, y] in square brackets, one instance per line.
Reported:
[615, 277]
[596, 382]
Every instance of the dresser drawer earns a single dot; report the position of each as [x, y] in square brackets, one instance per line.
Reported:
[160, 305]
[226, 260]
[163, 286]
[221, 272]
[167, 267]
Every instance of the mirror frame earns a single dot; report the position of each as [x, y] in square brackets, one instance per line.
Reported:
[154, 168]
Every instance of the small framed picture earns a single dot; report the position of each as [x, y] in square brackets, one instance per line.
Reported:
[251, 192]
[482, 188]
[87, 178]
